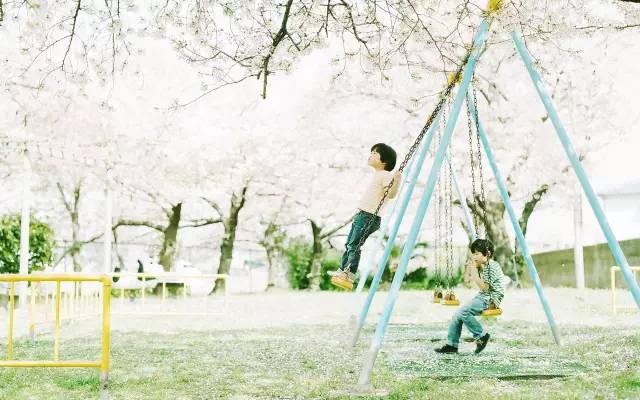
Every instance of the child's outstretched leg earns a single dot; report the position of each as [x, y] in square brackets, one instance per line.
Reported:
[467, 315]
[364, 224]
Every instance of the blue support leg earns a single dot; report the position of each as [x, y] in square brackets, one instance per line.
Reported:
[614, 246]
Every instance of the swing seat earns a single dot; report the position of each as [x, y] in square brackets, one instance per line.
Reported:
[342, 282]
[450, 299]
[492, 312]
[437, 296]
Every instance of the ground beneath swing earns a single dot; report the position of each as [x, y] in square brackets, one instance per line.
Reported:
[291, 345]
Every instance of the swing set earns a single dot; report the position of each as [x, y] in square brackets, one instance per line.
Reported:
[463, 78]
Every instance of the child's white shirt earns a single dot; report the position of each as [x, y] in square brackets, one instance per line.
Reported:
[374, 191]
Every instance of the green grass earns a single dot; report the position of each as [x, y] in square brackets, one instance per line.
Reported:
[309, 362]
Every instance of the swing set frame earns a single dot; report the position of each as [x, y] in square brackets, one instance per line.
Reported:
[463, 93]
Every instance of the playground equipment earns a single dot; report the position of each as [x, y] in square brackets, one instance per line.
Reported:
[463, 93]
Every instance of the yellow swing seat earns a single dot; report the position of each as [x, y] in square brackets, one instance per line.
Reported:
[450, 299]
[342, 283]
[492, 310]
[437, 296]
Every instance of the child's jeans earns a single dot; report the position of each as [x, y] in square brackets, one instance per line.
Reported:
[467, 315]
[363, 225]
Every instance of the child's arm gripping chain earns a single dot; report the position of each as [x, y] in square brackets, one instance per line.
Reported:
[472, 270]
[397, 178]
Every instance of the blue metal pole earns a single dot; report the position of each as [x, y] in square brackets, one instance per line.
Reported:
[376, 343]
[614, 246]
[396, 226]
[514, 221]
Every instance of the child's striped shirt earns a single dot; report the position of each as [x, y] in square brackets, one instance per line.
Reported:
[492, 274]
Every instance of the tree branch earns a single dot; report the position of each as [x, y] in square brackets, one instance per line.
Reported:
[76, 246]
[529, 206]
[188, 103]
[281, 34]
[64, 198]
[336, 229]
[215, 206]
[124, 222]
[73, 31]
[614, 27]
[199, 223]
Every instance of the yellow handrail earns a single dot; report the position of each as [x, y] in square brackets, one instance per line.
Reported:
[103, 363]
[614, 301]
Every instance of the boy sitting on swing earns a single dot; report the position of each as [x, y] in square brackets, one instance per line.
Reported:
[487, 275]
[366, 220]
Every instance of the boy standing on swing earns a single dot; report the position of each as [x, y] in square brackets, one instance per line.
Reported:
[487, 275]
[366, 220]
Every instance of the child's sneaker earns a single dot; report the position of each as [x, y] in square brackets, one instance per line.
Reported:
[447, 349]
[342, 279]
[482, 343]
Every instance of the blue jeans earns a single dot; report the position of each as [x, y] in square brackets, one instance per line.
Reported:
[363, 225]
[467, 315]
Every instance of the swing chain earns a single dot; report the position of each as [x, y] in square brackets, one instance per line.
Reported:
[438, 208]
[448, 221]
[472, 165]
[477, 120]
[443, 99]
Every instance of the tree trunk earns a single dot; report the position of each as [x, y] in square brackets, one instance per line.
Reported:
[73, 208]
[75, 230]
[527, 210]
[272, 244]
[316, 256]
[497, 231]
[170, 239]
[230, 226]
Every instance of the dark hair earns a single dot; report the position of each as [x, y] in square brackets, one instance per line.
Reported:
[484, 246]
[387, 155]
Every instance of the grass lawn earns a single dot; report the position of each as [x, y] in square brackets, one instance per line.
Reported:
[309, 362]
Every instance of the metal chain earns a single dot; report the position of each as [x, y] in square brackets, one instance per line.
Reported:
[438, 218]
[447, 221]
[443, 99]
[472, 161]
[449, 206]
[477, 119]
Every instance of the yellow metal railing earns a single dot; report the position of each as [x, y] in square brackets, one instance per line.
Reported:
[614, 300]
[74, 303]
[102, 364]
[164, 278]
